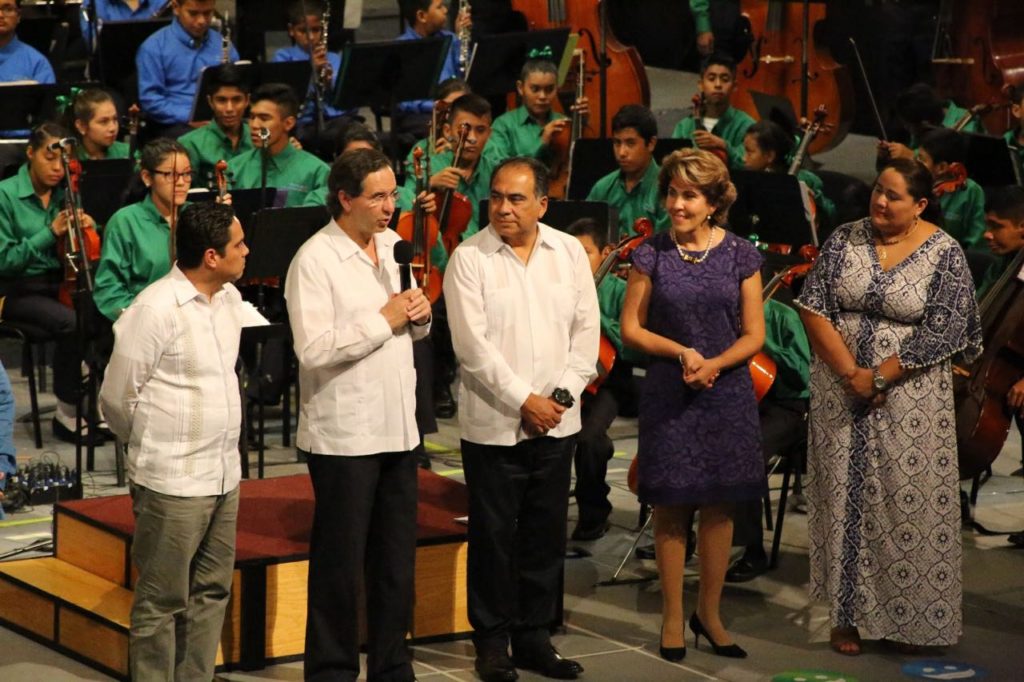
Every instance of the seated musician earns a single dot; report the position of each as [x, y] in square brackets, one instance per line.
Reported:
[306, 30]
[593, 446]
[722, 125]
[93, 118]
[919, 109]
[136, 240]
[767, 147]
[781, 414]
[448, 91]
[32, 220]
[116, 10]
[297, 172]
[170, 63]
[633, 189]
[1015, 135]
[21, 63]
[1004, 233]
[227, 135]
[528, 129]
[943, 152]
[427, 19]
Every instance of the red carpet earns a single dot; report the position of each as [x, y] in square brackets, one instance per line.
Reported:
[276, 514]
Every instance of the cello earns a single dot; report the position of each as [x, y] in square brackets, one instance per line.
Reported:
[786, 60]
[982, 415]
[620, 76]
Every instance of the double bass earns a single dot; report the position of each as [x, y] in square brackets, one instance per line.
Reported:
[784, 42]
[620, 80]
[982, 414]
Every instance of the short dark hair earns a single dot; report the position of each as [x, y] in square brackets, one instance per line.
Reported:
[538, 169]
[771, 137]
[43, 132]
[944, 145]
[919, 185]
[280, 94]
[588, 227]
[720, 59]
[472, 104]
[919, 105]
[538, 66]
[1006, 202]
[409, 8]
[357, 132]
[155, 151]
[349, 171]
[450, 85]
[298, 10]
[638, 117]
[202, 226]
[226, 76]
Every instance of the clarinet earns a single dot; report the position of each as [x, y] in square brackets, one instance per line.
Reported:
[464, 39]
[325, 70]
[225, 40]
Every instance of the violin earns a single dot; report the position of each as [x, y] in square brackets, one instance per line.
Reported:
[80, 246]
[606, 353]
[811, 130]
[562, 142]
[421, 230]
[456, 208]
[699, 102]
[953, 180]
[133, 129]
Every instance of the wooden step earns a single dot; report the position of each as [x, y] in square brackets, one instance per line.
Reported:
[93, 547]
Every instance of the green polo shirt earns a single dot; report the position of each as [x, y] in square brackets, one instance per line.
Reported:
[28, 246]
[731, 127]
[516, 133]
[826, 206]
[1011, 141]
[992, 274]
[476, 189]
[208, 145]
[292, 170]
[118, 150]
[701, 11]
[964, 213]
[785, 342]
[640, 202]
[136, 253]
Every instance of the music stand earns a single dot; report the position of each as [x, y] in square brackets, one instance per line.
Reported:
[771, 206]
[592, 159]
[38, 32]
[498, 58]
[118, 39]
[26, 106]
[274, 236]
[245, 202]
[776, 109]
[561, 214]
[104, 185]
[293, 74]
[989, 161]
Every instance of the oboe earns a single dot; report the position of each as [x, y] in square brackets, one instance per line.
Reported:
[464, 38]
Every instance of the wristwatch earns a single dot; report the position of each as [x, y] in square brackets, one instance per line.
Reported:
[878, 381]
[563, 397]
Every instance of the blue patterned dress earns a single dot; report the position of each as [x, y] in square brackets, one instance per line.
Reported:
[883, 485]
[697, 447]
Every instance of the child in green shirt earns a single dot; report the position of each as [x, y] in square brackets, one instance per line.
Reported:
[722, 126]
[227, 135]
[962, 200]
[93, 118]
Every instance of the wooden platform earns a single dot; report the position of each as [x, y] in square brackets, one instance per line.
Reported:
[78, 601]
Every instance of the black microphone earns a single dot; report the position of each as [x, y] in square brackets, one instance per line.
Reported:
[403, 256]
[62, 142]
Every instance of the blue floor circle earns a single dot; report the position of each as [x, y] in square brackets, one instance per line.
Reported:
[943, 670]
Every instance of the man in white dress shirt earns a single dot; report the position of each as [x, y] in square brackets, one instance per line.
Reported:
[525, 325]
[353, 328]
[171, 393]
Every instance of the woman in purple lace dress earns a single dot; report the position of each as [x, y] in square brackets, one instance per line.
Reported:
[693, 304]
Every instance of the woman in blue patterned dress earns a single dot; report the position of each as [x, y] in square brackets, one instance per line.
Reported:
[693, 304]
[888, 304]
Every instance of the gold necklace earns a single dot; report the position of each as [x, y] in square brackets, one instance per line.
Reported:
[696, 260]
[882, 242]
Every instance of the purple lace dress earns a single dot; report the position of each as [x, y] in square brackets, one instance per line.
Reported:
[698, 447]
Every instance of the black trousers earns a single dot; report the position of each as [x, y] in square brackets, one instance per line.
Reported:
[34, 300]
[364, 533]
[518, 501]
[783, 427]
[593, 450]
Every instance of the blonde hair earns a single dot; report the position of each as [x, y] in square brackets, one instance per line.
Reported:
[706, 173]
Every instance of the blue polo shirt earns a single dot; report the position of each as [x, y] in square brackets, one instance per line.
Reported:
[169, 64]
[296, 54]
[117, 10]
[450, 69]
[22, 62]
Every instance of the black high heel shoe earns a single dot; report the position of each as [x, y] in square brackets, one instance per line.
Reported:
[728, 650]
[672, 654]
